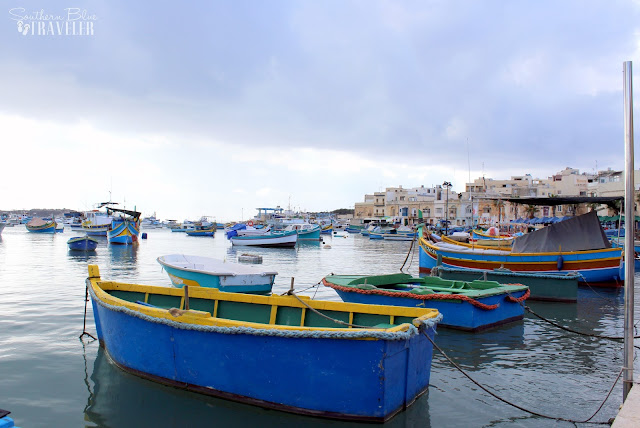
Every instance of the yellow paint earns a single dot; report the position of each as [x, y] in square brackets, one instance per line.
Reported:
[99, 288]
[426, 245]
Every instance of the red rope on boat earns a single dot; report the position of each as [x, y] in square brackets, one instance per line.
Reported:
[522, 298]
[435, 296]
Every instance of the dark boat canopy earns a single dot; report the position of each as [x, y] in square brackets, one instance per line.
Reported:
[135, 214]
[566, 200]
[579, 233]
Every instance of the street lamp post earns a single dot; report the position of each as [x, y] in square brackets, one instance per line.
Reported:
[447, 185]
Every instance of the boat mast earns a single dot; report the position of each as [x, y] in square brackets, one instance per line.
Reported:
[629, 205]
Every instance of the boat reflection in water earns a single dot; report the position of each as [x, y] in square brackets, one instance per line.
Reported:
[120, 399]
[124, 259]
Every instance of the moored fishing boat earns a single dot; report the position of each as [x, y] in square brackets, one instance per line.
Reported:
[245, 348]
[202, 230]
[125, 226]
[273, 239]
[213, 273]
[574, 245]
[306, 231]
[82, 243]
[471, 306]
[326, 229]
[559, 287]
[39, 225]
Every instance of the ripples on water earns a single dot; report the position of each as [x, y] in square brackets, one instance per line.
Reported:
[49, 378]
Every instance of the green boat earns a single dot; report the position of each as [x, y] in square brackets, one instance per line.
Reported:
[471, 306]
[560, 287]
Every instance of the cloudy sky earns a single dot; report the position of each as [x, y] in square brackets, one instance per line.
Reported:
[218, 107]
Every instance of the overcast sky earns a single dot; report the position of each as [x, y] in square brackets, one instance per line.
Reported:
[218, 107]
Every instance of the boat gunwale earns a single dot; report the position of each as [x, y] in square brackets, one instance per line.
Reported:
[423, 242]
[165, 264]
[202, 318]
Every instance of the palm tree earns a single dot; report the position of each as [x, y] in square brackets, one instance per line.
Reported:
[531, 210]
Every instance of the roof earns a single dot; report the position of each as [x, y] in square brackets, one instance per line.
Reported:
[566, 200]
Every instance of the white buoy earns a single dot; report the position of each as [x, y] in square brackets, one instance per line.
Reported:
[327, 246]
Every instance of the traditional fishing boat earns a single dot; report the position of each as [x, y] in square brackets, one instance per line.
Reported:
[471, 306]
[306, 231]
[82, 243]
[97, 223]
[326, 229]
[574, 245]
[273, 239]
[39, 225]
[213, 273]
[553, 287]
[125, 226]
[349, 361]
[202, 230]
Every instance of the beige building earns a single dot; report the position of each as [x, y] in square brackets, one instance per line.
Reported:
[433, 204]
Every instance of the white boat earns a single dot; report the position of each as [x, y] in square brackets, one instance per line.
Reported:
[253, 231]
[306, 231]
[213, 273]
[97, 223]
[275, 239]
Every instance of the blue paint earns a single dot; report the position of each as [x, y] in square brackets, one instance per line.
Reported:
[349, 378]
[82, 243]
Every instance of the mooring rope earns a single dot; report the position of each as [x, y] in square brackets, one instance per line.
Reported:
[561, 327]
[409, 252]
[434, 296]
[84, 325]
[494, 395]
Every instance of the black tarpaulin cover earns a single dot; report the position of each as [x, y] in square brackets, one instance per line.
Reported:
[575, 234]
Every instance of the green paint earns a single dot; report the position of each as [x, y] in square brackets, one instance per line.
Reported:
[288, 316]
[240, 311]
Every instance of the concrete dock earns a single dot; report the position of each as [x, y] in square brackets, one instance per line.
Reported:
[629, 415]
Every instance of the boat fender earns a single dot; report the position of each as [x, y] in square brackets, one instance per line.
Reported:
[144, 235]
[249, 223]
[560, 262]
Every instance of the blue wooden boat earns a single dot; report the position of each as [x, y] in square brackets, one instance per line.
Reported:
[82, 243]
[213, 273]
[574, 245]
[125, 226]
[271, 351]
[470, 306]
[39, 225]
[200, 230]
[287, 239]
[326, 230]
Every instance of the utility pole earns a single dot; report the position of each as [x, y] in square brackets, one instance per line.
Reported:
[447, 185]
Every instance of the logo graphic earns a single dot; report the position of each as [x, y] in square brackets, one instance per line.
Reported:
[71, 21]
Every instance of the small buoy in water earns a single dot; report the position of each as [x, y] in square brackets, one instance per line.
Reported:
[144, 235]
[327, 246]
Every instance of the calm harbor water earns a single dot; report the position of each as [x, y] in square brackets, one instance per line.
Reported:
[49, 378]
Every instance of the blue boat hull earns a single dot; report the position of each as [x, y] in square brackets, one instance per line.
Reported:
[313, 235]
[342, 378]
[123, 232]
[455, 314]
[51, 229]
[84, 244]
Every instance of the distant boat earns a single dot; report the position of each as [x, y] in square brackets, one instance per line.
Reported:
[201, 230]
[269, 351]
[82, 243]
[327, 229]
[306, 231]
[274, 239]
[97, 223]
[125, 226]
[39, 225]
[468, 306]
[214, 273]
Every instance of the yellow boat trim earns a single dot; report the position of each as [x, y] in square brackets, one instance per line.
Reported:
[207, 319]
[426, 244]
